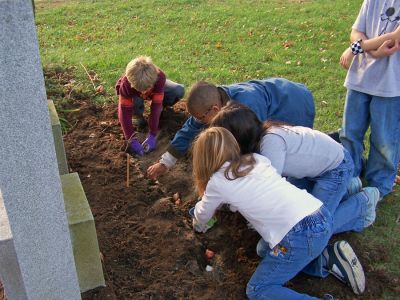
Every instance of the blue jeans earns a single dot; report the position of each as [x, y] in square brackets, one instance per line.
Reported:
[300, 249]
[331, 186]
[383, 116]
[173, 92]
[350, 214]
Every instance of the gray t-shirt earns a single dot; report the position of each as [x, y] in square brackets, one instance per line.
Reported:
[377, 77]
[300, 152]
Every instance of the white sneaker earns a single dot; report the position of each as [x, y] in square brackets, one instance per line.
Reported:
[372, 194]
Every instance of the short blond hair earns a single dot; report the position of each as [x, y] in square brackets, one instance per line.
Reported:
[141, 73]
[211, 149]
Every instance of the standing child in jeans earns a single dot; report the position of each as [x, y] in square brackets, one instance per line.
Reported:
[373, 92]
[144, 81]
[309, 159]
[295, 225]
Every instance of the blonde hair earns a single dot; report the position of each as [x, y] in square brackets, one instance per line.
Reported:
[141, 73]
[211, 149]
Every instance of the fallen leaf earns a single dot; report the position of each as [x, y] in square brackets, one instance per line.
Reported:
[287, 44]
[99, 89]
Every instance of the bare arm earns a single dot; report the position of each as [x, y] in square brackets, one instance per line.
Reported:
[386, 49]
[346, 58]
[381, 46]
[376, 42]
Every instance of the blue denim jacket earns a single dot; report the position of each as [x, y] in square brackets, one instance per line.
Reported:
[271, 99]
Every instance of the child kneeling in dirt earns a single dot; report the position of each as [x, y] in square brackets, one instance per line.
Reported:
[144, 81]
[271, 99]
[310, 160]
[295, 226]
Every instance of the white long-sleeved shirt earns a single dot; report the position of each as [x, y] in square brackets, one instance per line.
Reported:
[271, 204]
[300, 152]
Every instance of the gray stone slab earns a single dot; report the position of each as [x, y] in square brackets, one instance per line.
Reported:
[12, 279]
[58, 139]
[29, 178]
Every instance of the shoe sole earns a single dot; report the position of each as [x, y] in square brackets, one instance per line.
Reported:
[352, 266]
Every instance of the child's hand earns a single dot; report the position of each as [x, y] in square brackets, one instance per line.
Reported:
[386, 49]
[149, 143]
[346, 58]
[156, 170]
[397, 33]
[135, 147]
[198, 227]
[203, 227]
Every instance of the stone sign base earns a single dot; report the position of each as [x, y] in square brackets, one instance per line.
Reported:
[83, 233]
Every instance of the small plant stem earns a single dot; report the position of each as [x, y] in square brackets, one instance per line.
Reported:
[90, 77]
[127, 170]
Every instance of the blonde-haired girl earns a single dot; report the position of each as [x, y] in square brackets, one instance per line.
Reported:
[295, 225]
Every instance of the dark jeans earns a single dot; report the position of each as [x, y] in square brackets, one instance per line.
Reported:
[173, 92]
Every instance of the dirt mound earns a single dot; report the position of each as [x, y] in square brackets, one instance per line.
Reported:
[145, 235]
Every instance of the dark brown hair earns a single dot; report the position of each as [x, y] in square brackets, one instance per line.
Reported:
[243, 123]
[245, 126]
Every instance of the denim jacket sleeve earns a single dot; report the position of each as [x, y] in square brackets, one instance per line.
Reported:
[184, 137]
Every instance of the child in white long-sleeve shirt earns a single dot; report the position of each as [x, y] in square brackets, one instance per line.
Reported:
[295, 225]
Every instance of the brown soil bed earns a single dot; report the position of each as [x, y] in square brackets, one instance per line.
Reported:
[150, 250]
[148, 247]
[147, 243]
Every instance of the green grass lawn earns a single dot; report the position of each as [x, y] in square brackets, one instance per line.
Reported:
[223, 41]
[219, 41]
